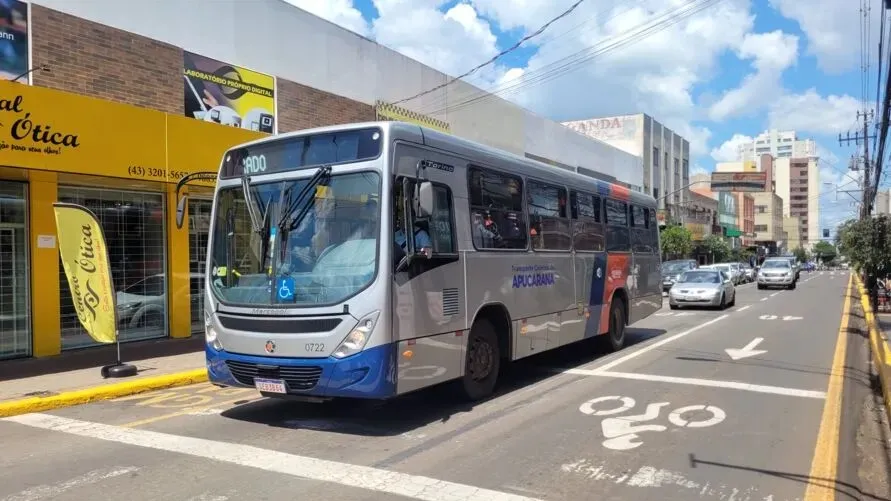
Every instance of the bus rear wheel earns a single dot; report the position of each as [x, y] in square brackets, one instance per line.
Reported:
[482, 362]
[616, 325]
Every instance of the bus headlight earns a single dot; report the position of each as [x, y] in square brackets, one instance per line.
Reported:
[358, 337]
[210, 334]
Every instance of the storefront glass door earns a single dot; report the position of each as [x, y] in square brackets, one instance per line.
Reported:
[15, 314]
[199, 226]
[133, 224]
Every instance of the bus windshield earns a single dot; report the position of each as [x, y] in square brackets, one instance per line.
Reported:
[324, 254]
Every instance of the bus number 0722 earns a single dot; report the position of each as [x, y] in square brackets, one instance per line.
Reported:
[314, 347]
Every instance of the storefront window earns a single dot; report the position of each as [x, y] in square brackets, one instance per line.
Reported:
[199, 226]
[15, 314]
[133, 224]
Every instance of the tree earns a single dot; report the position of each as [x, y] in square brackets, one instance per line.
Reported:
[825, 251]
[867, 244]
[677, 242]
[800, 254]
[717, 248]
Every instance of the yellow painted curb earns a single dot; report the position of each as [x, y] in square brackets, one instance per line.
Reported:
[881, 352]
[103, 392]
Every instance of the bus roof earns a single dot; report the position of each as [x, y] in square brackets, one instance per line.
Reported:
[486, 155]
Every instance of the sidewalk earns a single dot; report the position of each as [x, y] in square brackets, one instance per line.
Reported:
[879, 333]
[75, 379]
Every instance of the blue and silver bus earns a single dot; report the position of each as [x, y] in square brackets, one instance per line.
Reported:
[375, 259]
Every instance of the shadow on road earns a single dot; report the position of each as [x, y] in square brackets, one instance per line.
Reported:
[844, 490]
[436, 404]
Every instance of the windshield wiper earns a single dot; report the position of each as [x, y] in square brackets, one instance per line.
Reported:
[288, 221]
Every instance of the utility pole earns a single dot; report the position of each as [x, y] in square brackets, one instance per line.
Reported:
[857, 138]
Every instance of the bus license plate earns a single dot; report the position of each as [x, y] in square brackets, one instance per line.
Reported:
[270, 385]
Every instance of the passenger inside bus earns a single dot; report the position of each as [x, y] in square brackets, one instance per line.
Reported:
[423, 242]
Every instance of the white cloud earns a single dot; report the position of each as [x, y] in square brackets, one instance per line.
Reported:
[832, 28]
[771, 54]
[729, 149]
[812, 113]
[656, 74]
[339, 12]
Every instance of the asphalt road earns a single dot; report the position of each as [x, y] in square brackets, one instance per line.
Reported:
[671, 417]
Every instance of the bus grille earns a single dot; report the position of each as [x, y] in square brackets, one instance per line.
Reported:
[300, 378]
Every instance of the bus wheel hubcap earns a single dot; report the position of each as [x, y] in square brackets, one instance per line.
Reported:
[480, 362]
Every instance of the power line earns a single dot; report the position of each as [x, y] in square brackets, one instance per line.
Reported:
[574, 61]
[499, 55]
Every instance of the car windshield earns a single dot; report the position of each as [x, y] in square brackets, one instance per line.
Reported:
[778, 264]
[674, 267]
[700, 277]
[322, 258]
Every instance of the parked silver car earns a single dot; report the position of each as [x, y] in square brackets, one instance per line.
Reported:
[702, 287]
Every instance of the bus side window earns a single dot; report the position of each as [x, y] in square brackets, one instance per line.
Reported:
[442, 231]
[640, 234]
[587, 227]
[497, 219]
[548, 218]
[617, 238]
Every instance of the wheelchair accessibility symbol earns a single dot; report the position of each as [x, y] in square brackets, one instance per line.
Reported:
[285, 288]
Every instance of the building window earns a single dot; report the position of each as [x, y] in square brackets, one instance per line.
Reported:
[761, 209]
[760, 227]
[15, 303]
[133, 224]
[655, 156]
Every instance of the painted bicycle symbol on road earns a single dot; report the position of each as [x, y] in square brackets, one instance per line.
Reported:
[622, 433]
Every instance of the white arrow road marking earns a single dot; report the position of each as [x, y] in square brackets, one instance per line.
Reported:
[787, 317]
[767, 317]
[747, 351]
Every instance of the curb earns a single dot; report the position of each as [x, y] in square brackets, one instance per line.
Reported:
[103, 392]
[881, 352]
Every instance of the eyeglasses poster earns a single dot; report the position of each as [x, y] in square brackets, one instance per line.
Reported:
[227, 94]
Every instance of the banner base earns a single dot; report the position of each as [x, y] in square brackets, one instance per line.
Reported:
[118, 370]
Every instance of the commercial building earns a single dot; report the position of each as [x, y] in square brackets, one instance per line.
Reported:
[745, 218]
[137, 94]
[882, 204]
[769, 233]
[701, 216]
[792, 227]
[798, 184]
[665, 155]
[778, 144]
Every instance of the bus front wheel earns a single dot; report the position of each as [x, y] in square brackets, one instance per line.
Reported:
[482, 362]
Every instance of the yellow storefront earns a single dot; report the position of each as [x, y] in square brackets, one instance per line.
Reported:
[122, 162]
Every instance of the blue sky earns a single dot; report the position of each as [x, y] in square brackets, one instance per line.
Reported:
[728, 72]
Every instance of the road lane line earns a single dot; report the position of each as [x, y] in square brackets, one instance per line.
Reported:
[764, 299]
[361, 477]
[711, 383]
[824, 465]
[54, 491]
[744, 308]
[774, 294]
[651, 347]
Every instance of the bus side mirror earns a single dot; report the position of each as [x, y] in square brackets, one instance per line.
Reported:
[181, 211]
[425, 199]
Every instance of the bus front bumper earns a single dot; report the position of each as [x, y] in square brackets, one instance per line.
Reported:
[370, 374]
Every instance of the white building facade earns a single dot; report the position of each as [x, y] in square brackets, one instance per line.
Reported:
[665, 155]
[779, 144]
[306, 49]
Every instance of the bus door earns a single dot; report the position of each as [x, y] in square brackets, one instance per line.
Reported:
[428, 290]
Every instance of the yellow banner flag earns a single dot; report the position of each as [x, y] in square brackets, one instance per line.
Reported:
[85, 259]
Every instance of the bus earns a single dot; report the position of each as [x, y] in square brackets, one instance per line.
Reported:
[309, 296]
